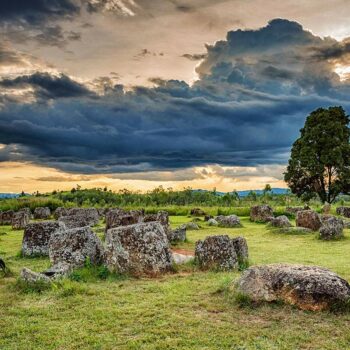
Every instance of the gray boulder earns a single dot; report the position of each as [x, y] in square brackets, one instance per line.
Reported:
[70, 249]
[308, 287]
[181, 258]
[6, 217]
[42, 213]
[140, 249]
[177, 235]
[280, 221]
[228, 221]
[332, 228]
[261, 213]
[346, 224]
[212, 222]
[162, 217]
[309, 219]
[37, 235]
[216, 252]
[27, 211]
[20, 220]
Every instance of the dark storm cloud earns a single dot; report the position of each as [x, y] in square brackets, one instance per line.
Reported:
[47, 86]
[246, 109]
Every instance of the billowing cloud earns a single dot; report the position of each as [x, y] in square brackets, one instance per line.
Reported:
[254, 91]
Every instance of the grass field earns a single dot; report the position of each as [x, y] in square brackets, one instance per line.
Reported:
[186, 310]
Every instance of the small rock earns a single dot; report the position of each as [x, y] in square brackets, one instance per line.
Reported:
[295, 230]
[308, 287]
[280, 221]
[228, 221]
[197, 212]
[190, 226]
[33, 277]
[212, 222]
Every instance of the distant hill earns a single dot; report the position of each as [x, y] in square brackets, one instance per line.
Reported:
[9, 195]
[246, 192]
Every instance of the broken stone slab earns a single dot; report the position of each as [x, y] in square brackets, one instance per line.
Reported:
[307, 287]
[37, 235]
[30, 276]
[139, 249]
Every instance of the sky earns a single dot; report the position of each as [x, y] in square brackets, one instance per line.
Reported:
[140, 93]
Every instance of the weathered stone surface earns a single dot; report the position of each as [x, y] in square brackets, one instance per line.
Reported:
[280, 221]
[261, 213]
[212, 222]
[190, 226]
[197, 212]
[75, 221]
[71, 248]
[59, 212]
[42, 213]
[120, 217]
[346, 224]
[90, 214]
[6, 217]
[228, 221]
[332, 228]
[33, 277]
[20, 220]
[138, 249]
[344, 211]
[162, 217]
[37, 235]
[308, 287]
[241, 247]
[309, 219]
[177, 235]
[216, 252]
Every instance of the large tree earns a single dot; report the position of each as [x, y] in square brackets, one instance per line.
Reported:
[320, 157]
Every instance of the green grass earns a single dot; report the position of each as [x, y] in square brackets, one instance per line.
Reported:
[186, 310]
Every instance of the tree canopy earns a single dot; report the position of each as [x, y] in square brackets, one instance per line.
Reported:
[320, 157]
